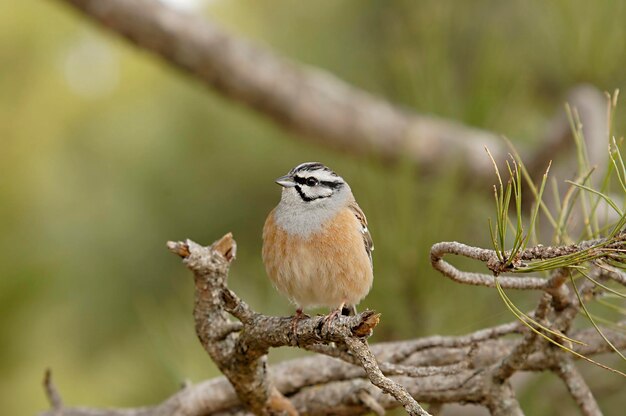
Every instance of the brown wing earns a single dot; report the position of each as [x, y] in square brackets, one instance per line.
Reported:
[367, 237]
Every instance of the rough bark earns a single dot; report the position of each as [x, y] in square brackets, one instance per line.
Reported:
[240, 349]
[347, 377]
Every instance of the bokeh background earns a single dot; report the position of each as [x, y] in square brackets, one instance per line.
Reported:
[106, 153]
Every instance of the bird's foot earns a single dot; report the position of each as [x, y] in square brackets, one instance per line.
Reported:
[332, 316]
[296, 318]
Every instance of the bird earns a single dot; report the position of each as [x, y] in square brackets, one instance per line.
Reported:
[317, 249]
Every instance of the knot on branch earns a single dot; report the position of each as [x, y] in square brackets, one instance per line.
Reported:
[499, 266]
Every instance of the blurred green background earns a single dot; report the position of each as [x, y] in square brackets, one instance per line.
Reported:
[106, 153]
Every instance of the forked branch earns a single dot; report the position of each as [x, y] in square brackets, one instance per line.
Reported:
[550, 322]
[240, 351]
[348, 378]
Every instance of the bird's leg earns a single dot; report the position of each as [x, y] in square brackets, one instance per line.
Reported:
[333, 314]
[348, 310]
[297, 317]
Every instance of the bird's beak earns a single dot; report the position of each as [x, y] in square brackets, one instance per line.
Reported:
[286, 181]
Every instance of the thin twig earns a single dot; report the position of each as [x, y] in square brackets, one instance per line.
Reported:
[479, 279]
[360, 349]
[56, 403]
[577, 387]
[371, 403]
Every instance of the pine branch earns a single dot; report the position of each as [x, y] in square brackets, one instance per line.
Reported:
[474, 368]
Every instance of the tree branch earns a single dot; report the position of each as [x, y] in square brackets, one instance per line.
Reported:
[604, 247]
[240, 352]
[577, 387]
[56, 403]
[241, 356]
[359, 348]
[308, 100]
[311, 382]
[304, 99]
[488, 257]
[434, 369]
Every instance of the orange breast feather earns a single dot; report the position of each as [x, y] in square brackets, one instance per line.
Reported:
[326, 268]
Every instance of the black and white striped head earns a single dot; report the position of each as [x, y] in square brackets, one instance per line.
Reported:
[312, 193]
[312, 182]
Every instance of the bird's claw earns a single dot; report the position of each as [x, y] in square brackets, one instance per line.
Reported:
[296, 318]
[331, 317]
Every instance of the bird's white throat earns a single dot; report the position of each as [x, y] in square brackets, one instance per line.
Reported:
[301, 218]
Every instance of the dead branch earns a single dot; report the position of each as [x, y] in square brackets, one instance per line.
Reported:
[56, 403]
[240, 353]
[556, 310]
[306, 100]
[313, 102]
[360, 349]
[577, 387]
[310, 383]
[475, 368]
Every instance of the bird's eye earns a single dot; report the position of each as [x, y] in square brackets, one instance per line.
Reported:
[311, 181]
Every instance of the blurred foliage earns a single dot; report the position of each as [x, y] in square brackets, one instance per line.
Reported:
[106, 153]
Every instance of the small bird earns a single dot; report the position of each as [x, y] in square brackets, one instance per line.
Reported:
[317, 249]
